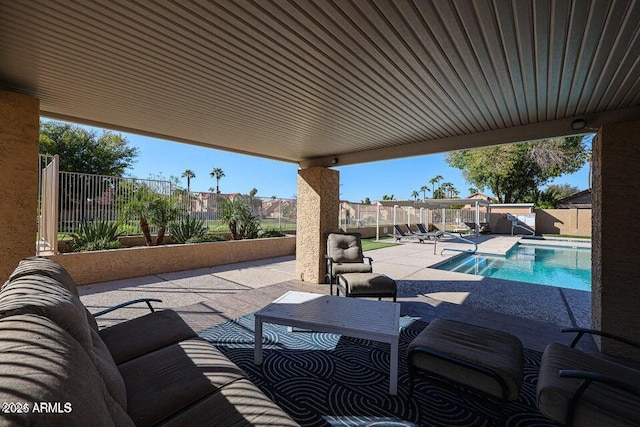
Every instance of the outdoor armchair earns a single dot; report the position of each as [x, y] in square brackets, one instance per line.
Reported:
[580, 388]
[344, 255]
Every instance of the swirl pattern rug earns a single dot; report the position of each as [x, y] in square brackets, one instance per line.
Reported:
[324, 379]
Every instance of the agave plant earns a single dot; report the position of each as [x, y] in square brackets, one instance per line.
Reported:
[97, 235]
[186, 229]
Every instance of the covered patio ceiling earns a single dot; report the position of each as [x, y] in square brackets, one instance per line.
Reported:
[320, 82]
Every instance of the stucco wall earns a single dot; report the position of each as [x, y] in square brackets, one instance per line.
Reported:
[514, 209]
[100, 266]
[498, 222]
[19, 127]
[615, 294]
[367, 232]
[574, 222]
[318, 209]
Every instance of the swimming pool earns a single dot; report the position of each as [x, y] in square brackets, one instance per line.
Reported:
[552, 266]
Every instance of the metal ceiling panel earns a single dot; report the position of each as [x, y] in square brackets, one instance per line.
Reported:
[300, 80]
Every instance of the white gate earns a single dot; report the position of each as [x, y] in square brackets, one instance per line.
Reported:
[48, 224]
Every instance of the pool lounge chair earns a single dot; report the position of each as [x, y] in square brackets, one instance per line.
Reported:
[410, 232]
[399, 234]
[430, 234]
[484, 227]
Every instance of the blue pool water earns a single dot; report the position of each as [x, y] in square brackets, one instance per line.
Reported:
[552, 266]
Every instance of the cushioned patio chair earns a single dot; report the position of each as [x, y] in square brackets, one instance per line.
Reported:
[578, 388]
[344, 255]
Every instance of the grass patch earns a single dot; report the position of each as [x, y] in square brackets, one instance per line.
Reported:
[371, 244]
[567, 236]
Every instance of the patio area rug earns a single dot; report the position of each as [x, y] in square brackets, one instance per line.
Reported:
[324, 379]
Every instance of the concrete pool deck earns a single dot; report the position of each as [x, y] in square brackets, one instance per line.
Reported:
[208, 296]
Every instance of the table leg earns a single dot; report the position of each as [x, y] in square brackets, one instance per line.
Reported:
[257, 352]
[393, 368]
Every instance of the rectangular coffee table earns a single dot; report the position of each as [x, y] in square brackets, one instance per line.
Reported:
[356, 318]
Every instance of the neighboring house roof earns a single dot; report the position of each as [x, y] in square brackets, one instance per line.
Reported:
[579, 200]
[479, 196]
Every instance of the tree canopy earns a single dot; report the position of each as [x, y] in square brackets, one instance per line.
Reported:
[549, 198]
[85, 151]
[515, 172]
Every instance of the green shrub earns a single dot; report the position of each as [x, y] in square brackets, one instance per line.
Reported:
[99, 245]
[272, 233]
[205, 238]
[129, 230]
[186, 229]
[237, 214]
[252, 228]
[96, 235]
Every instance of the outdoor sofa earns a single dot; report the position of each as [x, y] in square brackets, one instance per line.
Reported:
[57, 368]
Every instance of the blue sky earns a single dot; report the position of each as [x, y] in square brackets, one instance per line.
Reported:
[273, 178]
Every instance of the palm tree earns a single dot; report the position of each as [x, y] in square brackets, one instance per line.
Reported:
[217, 173]
[448, 190]
[433, 181]
[473, 190]
[188, 173]
[424, 190]
[415, 195]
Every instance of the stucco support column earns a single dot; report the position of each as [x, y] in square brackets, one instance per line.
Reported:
[19, 128]
[616, 235]
[317, 216]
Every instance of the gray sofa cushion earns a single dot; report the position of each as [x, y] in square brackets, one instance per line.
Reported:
[142, 335]
[45, 296]
[238, 404]
[108, 370]
[45, 267]
[351, 267]
[344, 248]
[368, 284]
[496, 350]
[42, 363]
[600, 405]
[166, 381]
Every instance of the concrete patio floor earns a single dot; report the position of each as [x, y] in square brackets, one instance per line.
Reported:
[208, 296]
